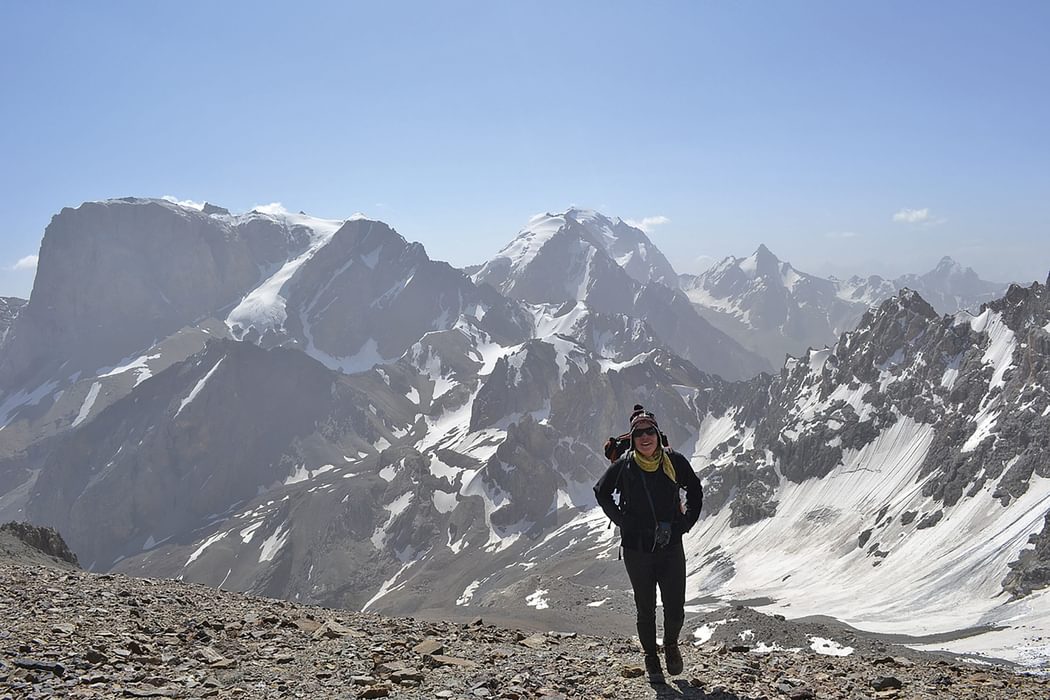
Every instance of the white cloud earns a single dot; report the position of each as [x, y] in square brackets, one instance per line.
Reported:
[27, 263]
[912, 216]
[917, 216]
[183, 202]
[648, 223]
[273, 208]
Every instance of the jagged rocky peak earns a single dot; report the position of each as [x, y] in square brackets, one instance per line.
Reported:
[762, 263]
[210, 209]
[1022, 306]
[909, 301]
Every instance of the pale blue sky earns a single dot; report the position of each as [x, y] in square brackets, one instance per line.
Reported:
[806, 126]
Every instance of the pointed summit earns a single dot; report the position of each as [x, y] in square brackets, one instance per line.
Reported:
[947, 265]
[762, 264]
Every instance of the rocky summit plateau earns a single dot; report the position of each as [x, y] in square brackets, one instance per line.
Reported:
[320, 412]
[73, 634]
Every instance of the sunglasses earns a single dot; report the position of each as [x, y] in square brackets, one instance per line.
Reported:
[643, 431]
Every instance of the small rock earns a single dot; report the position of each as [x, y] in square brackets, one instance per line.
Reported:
[377, 691]
[535, 641]
[442, 660]
[334, 630]
[885, 683]
[428, 647]
[37, 665]
[392, 666]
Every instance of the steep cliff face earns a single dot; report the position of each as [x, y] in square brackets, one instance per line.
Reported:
[116, 276]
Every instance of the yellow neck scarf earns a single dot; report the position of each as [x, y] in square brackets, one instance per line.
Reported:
[651, 464]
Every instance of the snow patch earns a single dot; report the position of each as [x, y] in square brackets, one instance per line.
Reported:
[196, 389]
[537, 599]
[89, 401]
[828, 647]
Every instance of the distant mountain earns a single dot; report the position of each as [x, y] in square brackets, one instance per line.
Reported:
[775, 310]
[769, 306]
[518, 267]
[565, 259]
[949, 287]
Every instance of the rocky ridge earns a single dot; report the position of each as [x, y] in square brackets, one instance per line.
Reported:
[80, 635]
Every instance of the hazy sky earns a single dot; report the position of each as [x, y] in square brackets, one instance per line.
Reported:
[869, 137]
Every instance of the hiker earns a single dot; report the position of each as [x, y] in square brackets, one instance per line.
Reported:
[648, 477]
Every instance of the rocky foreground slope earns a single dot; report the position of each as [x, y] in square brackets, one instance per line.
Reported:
[68, 633]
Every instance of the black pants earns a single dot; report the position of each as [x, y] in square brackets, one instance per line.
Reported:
[647, 570]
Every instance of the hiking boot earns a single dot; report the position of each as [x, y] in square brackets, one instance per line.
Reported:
[674, 659]
[653, 672]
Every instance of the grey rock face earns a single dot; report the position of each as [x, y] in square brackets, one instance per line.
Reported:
[154, 265]
[161, 460]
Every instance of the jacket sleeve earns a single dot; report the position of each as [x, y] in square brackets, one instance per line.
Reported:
[694, 492]
[603, 491]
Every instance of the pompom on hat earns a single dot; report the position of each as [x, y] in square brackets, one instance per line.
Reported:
[640, 415]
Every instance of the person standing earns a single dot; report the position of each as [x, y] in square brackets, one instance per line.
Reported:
[651, 517]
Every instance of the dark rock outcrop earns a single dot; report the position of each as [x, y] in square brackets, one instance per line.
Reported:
[45, 540]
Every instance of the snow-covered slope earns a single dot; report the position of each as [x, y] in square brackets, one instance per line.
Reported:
[896, 478]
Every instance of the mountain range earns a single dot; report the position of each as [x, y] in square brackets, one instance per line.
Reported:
[776, 311]
[318, 411]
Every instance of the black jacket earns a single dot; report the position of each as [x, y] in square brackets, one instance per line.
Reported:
[636, 518]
